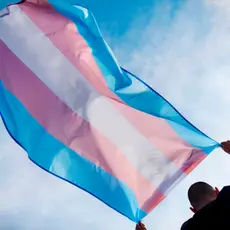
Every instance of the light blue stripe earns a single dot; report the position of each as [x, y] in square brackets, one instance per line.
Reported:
[53, 156]
[125, 85]
[5, 3]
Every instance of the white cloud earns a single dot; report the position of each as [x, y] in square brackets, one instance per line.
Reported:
[187, 61]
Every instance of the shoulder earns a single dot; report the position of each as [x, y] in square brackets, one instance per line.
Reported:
[225, 189]
[224, 193]
[185, 226]
[223, 197]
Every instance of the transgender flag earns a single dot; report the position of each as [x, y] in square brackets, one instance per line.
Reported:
[79, 116]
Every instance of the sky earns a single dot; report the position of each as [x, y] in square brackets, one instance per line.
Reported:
[182, 49]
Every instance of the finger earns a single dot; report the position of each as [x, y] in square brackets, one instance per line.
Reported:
[224, 145]
[226, 142]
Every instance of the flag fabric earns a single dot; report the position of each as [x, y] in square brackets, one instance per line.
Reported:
[83, 118]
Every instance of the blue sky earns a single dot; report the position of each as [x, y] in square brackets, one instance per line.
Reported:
[181, 50]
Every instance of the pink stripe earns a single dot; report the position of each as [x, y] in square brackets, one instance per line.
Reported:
[71, 129]
[164, 138]
[69, 42]
[76, 50]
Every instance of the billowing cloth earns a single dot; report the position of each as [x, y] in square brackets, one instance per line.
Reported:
[81, 117]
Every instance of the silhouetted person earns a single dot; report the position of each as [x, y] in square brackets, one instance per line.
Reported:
[211, 207]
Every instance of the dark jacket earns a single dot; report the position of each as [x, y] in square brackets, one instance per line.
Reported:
[214, 216]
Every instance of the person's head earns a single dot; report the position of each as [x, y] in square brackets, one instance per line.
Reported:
[200, 194]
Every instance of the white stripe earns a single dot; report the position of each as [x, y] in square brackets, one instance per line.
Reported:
[4, 12]
[32, 47]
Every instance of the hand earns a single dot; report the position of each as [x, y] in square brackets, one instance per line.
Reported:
[140, 226]
[226, 146]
